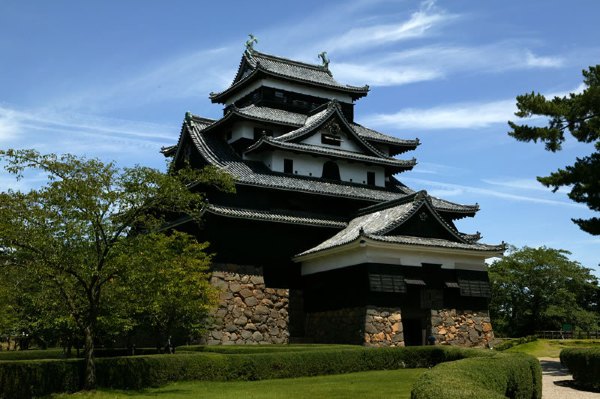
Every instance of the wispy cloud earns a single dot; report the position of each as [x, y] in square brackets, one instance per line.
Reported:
[383, 75]
[535, 61]
[464, 115]
[420, 23]
[523, 184]
[178, 77]
[449, 189]
[51, 131]
[8, 124]
[452, 116]
[439, 61]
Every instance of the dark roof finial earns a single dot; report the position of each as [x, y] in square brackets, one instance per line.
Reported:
[250, 44]
[324, 59]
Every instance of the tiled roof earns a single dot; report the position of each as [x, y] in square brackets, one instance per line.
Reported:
[312, 74]
[218, 153]
[277, 216]
[396, 164]
[297, 120]
[437, 242]
[382, 220]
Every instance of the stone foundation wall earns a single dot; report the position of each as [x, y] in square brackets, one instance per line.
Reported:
[383, 327]
[462, 327]
[248, 312]
[340, 326]
[370, 326]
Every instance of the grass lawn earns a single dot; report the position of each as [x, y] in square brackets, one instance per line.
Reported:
[364, 385]
[552, 347]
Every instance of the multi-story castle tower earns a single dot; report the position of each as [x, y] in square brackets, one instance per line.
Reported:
[321, 242]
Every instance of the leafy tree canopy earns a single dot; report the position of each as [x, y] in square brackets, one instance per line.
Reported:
[88, 246]
[578, 114]
[536, 289]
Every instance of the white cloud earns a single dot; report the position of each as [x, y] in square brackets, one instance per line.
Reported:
[418, 25]
[467, 115]
[523, 184]
[185, 76]
[9, 125]
[458, 189]
[535, 61]
[382, 75]
[453, 116]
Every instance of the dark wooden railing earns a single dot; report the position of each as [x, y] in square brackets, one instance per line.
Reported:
[558, 334]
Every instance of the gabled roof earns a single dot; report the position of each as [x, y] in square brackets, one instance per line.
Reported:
[393, 164]
[260, 64]
[215, 151]
[282, 117]
[377, 221]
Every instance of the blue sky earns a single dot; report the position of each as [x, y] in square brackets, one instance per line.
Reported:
[113, 79]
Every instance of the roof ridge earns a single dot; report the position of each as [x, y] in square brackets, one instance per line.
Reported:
[289, 61]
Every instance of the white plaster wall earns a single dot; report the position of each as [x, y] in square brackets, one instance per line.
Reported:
[307, 165]
[347, 144]
[242, 130]
[355, 254]
[316, 92]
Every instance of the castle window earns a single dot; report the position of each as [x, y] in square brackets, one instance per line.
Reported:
[477, 288]
[371, 178]
[386, 283]
[288, 166]
[331, 171]
[331, 139]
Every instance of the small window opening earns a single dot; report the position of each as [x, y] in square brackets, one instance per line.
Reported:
[331, 171]
[229, 135]
[331, 139]
[371, 178]
[288, 166]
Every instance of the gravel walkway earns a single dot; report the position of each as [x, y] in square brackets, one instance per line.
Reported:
[556, 382]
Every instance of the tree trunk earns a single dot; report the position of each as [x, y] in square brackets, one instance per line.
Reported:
[90, 364]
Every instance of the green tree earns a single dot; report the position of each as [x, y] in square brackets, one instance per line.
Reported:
[578, 114]
[81, 236]
[540, 289]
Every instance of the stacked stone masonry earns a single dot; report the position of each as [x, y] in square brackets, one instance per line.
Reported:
[462, 327]
[370, 326]
[383, 327]
[248, 312]
[339, 326]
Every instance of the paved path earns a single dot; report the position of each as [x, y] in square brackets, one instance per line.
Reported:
[556, 382]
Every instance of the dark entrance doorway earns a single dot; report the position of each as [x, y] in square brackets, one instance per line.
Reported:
[414, 331]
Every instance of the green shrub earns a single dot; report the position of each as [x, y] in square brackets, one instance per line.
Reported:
[509, 343]
[499, 376]
[584, 364]
[24, 379]
[32, 354]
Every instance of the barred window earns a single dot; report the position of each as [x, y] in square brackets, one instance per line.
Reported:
[477, 288]
[387, 283]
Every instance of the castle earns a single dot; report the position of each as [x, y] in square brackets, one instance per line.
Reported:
[321, 242]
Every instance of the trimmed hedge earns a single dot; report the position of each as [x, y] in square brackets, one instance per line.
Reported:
[142, 371]
[23, 379]
[509, 343]
[584, 364]
[500, 376]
